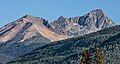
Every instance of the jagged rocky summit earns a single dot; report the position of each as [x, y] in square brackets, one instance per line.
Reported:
[29, 32]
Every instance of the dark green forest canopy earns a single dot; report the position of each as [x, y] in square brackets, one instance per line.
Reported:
[70, 50]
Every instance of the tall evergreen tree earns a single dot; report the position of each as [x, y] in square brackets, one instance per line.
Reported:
[99, 56]
[85, 57]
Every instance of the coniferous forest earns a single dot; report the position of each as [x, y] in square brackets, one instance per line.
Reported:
[100, 47]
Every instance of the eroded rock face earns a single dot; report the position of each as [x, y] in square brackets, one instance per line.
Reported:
[24, 35]
[75, 26]
[29, 26]
[90, 22]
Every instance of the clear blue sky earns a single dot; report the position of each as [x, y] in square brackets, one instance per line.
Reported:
[11, 10]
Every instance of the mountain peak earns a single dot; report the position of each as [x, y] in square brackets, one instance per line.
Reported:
[33, 19]
[97, 12]
[27, 16]
[61, 17]
[90, 22]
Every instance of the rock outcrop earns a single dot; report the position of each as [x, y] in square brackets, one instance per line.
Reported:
[91, 22]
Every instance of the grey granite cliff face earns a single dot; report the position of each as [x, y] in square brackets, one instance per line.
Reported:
[90, 22]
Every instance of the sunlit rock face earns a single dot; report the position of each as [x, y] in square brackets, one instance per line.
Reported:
[24, 35]
[90, 22]
[29, 26]
[61, 28]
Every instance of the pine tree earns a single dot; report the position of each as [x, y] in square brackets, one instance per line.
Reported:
[99, 56]
[85, 57]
